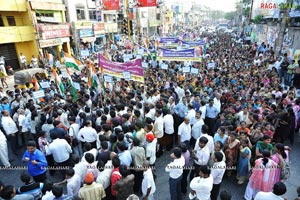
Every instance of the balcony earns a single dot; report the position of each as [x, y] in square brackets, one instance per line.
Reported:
[16, 5]
[11, 34]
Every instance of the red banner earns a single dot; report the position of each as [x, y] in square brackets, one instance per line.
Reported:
[99, 28]
[147, 3]
[111, 4]
[54, 31]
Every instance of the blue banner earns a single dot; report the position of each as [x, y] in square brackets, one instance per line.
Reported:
[188, 53]
[169, 40]
[194, 43]
[86, 33]
[181, 55]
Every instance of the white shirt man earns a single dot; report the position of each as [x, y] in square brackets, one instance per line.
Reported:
[22, 121]
[4, 150]
[23, 60]
[81, 169]
[202, 187]
[217, 172]
[148, 183]
[151, 151]
[191, 115]
[73, 185]
[217, 102]
[74, 130]
[202, 153]
[278, 189]
[184, 131]
[203, 111]
[159, 125]
[174, 168]
[87, 134]
[210, 144]
[9, 125]
[104, 176]
[197, 127]
[168, 124]
[59, 149]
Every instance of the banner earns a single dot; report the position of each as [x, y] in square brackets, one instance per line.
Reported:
[116, 69]
[147, 3]
[111, 4]
[194, 43]
[169, 40]
[182, 55]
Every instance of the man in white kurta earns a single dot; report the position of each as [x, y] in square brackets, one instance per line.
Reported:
[3, 150]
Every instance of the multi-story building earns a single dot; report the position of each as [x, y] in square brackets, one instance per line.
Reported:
[17, 33]
[53, 33]
[90, 30]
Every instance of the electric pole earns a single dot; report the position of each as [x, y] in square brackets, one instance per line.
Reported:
[284, 14]
[128, 19]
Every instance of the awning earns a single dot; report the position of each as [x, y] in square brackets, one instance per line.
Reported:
[100, 36]
[88, 39]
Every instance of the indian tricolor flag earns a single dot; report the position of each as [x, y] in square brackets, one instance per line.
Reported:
[72, 62]
[73, 90]
[37, 87]
[58, 82]
[93, 80]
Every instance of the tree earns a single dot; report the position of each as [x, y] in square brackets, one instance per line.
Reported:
[230, 15]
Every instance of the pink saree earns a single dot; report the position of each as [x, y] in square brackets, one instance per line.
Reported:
[263, 177]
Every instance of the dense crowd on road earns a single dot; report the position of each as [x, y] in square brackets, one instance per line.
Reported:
[230, 120]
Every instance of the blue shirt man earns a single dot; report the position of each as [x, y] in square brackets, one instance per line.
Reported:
[181, 108]
[36, 162]
[211, 111]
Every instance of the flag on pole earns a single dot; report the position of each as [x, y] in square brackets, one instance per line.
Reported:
[72, 62]
[37, 87]
[58, 82]
[93, 80]
[73, 90]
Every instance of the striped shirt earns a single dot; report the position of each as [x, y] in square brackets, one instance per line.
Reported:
[95, 191]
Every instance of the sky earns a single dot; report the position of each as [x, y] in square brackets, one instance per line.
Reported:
[224, 5]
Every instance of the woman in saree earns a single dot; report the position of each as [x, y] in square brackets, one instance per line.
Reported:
[231, 151]
[243, 167]
[280, 156]
[262, 177]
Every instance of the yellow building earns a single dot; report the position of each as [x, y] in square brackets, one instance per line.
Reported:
[17, 32]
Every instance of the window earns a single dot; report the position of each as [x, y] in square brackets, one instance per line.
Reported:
[11, 20]
[1, 21]
[92, 14]
[80, 13]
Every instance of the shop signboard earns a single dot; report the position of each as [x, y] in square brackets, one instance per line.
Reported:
[86, 33]
[147, 3]
[50, 42]
[99, 28]
[83, 25]
[111, 4]
[54, 31]
[111, 27]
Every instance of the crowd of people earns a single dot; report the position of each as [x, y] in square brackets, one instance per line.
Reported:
[231, 120]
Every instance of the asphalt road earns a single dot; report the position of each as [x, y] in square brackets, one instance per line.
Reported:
[162, 187]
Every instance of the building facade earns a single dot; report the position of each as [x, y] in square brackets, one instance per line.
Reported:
[17, 32]
[53, 32]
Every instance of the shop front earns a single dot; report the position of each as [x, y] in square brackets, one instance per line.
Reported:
[99, 32]
[54, 39]
[84, 38]
[110, 30]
